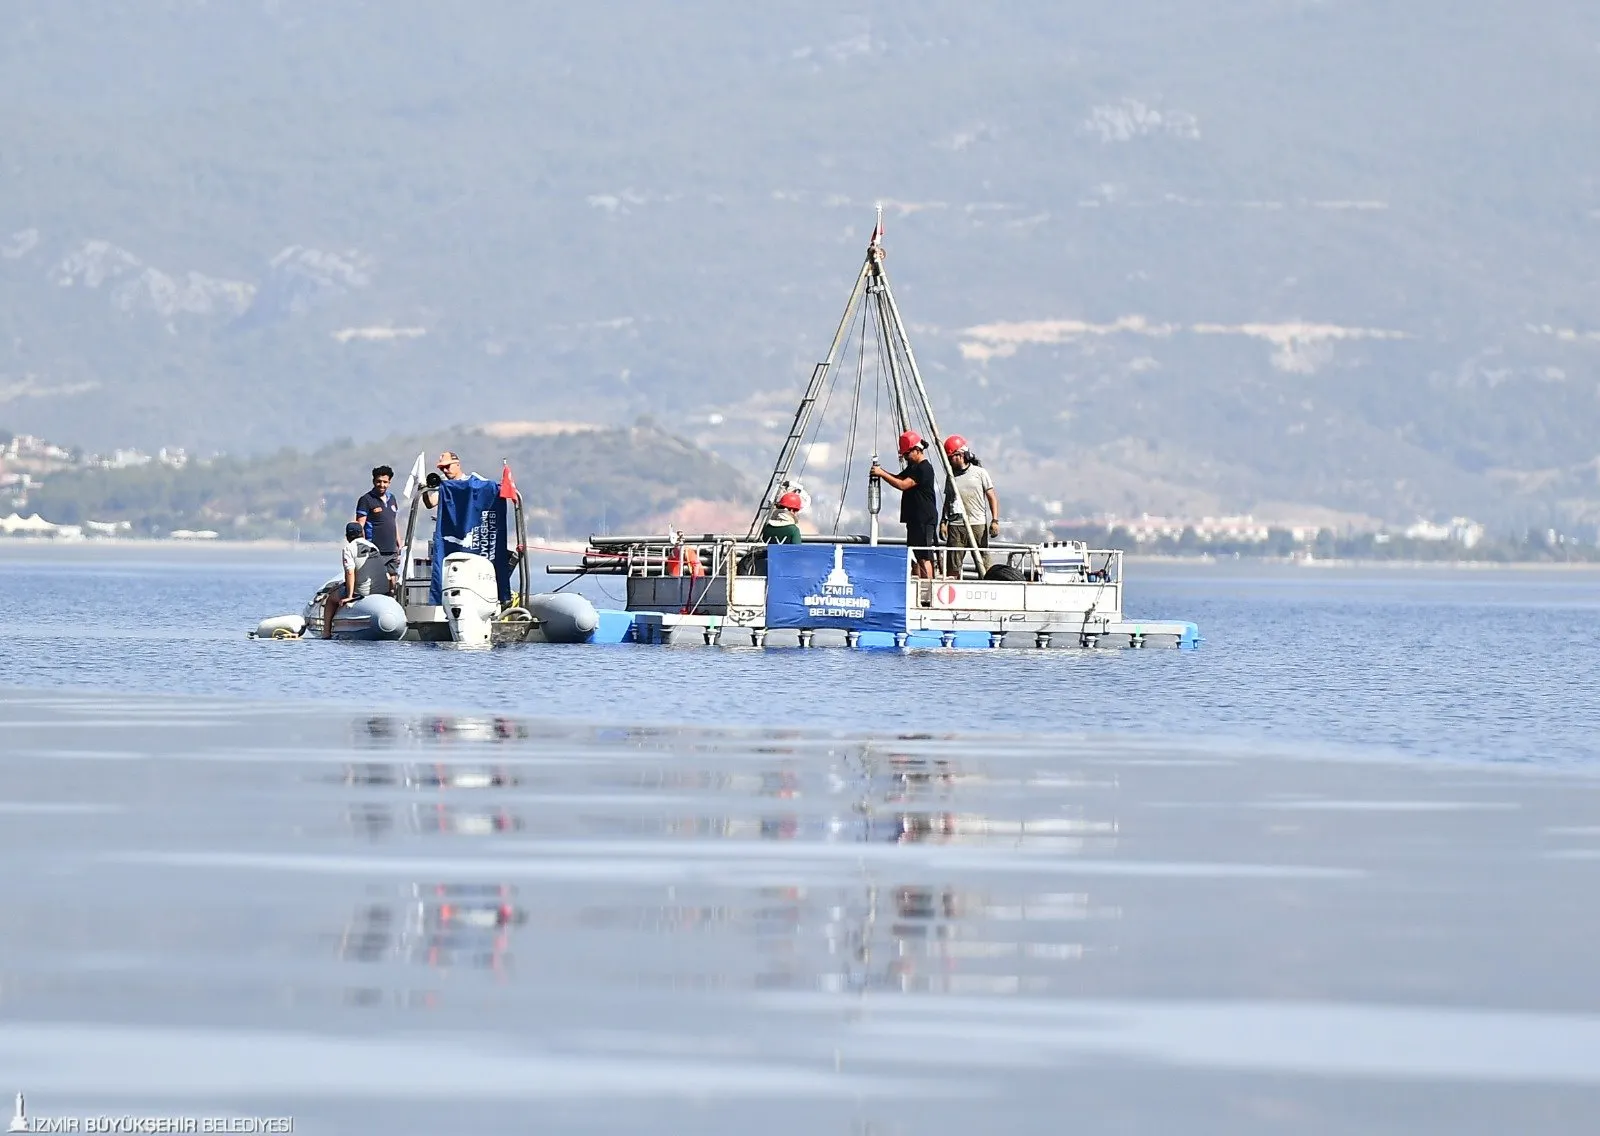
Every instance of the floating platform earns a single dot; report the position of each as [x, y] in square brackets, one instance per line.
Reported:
[838, 593]
[611, 627]
[667, 629]
[663, 629]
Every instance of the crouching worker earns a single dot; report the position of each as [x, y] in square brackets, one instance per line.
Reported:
[365, 574]
[783, 526]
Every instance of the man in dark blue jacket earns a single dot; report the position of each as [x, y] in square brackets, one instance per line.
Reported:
[919, 505]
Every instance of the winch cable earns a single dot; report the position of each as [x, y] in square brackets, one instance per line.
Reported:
[883, 382]
[896, 386]
[877, 404]
[576, 576]
[816, 429]
[916, 415]
[888, 364]
[855, 422]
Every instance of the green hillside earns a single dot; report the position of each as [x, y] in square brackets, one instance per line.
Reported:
[573, 485]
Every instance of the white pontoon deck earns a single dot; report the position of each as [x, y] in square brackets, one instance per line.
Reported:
[714, 589]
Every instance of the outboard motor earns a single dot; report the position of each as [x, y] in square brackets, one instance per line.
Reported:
[471, 597]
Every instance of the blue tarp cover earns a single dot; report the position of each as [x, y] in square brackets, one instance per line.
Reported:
[473, 517]
[854, 587]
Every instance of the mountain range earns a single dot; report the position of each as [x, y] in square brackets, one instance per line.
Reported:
[1294, 257]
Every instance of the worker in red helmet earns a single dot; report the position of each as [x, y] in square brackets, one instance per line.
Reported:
[970, 502]
[919, 504]
[783, 526]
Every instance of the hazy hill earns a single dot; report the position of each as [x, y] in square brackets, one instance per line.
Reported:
[573, 484]
[1267, 254]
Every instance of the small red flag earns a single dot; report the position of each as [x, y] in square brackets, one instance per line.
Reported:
[508, 488]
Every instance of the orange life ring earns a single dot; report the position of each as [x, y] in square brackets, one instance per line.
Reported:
[684, 562]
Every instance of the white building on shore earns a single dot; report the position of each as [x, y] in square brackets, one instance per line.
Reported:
[1460, 530]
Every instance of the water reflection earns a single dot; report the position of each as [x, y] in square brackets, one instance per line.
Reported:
[384, 775]
[441, 926]
[935, 938]
[459, 926]
[441, 729]
[907, 938]
[908, 777]
[258, 888]
[672, 799]
[944, 939]
[378, 821]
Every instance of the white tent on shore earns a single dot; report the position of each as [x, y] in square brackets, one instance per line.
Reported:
[16, 525]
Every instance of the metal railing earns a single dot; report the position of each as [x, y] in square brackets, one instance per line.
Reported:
[713, 556]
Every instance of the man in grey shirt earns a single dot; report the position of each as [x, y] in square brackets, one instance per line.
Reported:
[365, 573]
[969, 495]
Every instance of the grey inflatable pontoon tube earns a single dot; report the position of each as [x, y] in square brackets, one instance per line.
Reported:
[565, 617]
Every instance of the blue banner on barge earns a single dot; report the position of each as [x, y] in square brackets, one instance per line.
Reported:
[844, 586]
[472, 518]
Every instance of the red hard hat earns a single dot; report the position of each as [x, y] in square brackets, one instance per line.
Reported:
[790, 500]
[909, 441]
[954, 444]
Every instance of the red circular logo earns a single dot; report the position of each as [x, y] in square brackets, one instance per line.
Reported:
[947, 594]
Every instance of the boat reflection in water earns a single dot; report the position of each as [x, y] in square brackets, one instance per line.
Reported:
[879, 929]
[377, 821]
[442, 926]
[454, 926]
[459, 926]
[917, 938]
[438, 729]
[704, 812]
[437, 776]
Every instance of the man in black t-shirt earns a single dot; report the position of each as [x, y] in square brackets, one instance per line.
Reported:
[378, 516]
[919, 504]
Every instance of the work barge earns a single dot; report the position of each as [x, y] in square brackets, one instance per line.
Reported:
[861, 590]
[1067, 595]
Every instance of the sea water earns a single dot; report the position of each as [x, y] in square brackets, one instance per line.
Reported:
[1334, 871]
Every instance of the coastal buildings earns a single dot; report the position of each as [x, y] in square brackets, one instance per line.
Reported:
[1244, 529]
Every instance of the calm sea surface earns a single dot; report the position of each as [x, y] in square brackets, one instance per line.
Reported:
[1455, 663]
[1336, 871]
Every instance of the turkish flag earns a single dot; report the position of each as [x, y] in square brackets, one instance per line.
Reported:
[508, 488]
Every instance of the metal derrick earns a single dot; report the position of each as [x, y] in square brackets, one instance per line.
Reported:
[898, 366]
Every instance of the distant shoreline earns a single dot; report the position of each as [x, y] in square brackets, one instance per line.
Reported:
[124, 542]
[1410, 565]
[576, 547]
[267, 544]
